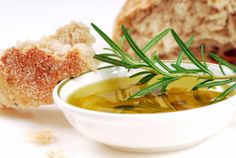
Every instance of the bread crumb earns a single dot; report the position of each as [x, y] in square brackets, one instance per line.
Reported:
[56, 153]
[43, 136]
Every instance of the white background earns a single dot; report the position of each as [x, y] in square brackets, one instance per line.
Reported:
[30, 19]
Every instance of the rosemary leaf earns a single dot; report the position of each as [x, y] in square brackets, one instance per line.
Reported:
[108, 55]
[181, 54]
[161, 63]
[224, 94]
[153, 87]
[156, 39]
[122, 40]
[223, 62]
[177, 67]
[180, 69]
[136, 66]
[189, 54]
[213, 84]
[201, 83]
[146, 78]
[187, 71]
[202, 47]
[221, 69]
[139, 74]
[111, 60]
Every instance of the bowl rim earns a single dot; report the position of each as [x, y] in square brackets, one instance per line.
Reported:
[57, 98]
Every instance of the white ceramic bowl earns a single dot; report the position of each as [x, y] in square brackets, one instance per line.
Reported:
[143, 132]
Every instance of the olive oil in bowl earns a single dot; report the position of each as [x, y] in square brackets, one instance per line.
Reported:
[145, 124]
[110, 96]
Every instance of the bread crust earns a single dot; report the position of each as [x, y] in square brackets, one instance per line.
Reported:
[28, 74]
[129, 10]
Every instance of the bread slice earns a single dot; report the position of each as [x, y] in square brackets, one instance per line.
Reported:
[212, 22]
[30, 70]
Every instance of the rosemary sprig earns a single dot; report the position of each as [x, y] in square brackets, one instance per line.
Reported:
[152, 67]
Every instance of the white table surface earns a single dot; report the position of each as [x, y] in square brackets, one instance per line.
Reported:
[30, 19]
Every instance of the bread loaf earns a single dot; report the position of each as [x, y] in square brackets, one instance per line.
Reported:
[30, 70]
[212, 22]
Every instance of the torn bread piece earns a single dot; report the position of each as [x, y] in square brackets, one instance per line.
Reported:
[212, 22]
[30, 70]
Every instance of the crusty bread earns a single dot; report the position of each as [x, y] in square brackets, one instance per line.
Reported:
[212, 22]
[30, 70]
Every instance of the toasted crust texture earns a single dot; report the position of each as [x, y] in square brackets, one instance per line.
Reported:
[212, 22]
[30, 71]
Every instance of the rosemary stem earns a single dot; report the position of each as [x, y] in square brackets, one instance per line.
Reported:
[196, 75]
[209, 77]
[150, 70]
